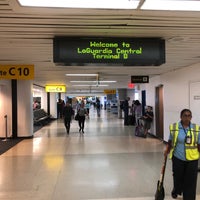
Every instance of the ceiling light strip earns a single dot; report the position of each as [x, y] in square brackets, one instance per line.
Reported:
[103, 4]
[176, 5]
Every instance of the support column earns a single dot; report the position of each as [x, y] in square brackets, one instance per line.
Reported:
[53, 105]
[24, 109]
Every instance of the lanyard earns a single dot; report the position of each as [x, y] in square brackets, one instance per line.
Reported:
[185, 130]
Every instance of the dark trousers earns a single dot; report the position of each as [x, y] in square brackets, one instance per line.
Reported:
[81, 122]
[67, 122]
[185, 177]
[126, 118]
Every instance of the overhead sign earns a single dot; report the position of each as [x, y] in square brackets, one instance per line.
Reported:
[139, 79]
[55, 88]
[109, 91]
[109, 51]
[24, 72]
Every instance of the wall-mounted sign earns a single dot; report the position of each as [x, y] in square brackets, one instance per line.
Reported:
[55, 88]
[139, 79]
[109, 91]
[196, 97]
[109, 51]
[24, 72]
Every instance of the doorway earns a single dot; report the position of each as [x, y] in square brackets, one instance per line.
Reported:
[159, 111]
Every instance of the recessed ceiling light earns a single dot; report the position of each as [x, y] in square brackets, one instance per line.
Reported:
[178, 5]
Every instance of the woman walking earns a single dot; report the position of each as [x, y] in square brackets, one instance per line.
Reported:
[82, 111]
[184, 147]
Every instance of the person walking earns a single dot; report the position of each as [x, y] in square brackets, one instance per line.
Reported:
[81, 119]
[60, 107]
[138, 111]
[148, 118]
[87, 106]
[67, 115]
[184, 147]
[98, 107]
[126, 110]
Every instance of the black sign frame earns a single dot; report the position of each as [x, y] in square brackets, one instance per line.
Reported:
[139, 79]
[108, 51]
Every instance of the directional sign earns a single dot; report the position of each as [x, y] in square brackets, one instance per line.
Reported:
[139, 79]
[109, 91]
[24, 72]
[55, 88]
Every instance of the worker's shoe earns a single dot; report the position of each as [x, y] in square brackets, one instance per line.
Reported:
[173, 194]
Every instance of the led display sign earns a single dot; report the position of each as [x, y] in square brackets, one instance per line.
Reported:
[109, 51]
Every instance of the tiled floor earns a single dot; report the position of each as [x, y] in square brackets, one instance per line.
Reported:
[107, 163]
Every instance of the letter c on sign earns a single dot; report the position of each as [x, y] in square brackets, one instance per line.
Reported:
[11, 71]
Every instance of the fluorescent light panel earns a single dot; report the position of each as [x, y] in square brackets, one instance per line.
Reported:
[81, 74]
[91, 85]
[93, 81]
[181, 5]
[177, 5]
[107, 4]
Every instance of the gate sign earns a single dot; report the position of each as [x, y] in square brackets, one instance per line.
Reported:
[18, 72]
[55, 88]
[109, 91]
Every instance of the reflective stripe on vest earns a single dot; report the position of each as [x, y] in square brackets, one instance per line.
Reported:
[191, 150]
[174, 133]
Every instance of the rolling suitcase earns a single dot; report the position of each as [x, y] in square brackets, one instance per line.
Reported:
[139, 129]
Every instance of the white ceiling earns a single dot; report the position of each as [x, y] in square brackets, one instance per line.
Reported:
[26, 38]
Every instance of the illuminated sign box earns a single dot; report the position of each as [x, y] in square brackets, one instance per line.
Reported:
[55, 88]
[109, 51]
[139, 79]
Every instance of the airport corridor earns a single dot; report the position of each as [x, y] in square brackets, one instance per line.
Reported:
[106, 163]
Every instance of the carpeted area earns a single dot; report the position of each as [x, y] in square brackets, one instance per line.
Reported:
[5, 145]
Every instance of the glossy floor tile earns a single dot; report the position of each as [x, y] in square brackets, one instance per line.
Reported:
[106, 163]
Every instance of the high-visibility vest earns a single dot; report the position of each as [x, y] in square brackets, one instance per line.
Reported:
[191, 150]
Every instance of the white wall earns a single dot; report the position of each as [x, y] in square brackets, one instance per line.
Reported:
[53, 105]
[195, 101]
[176, 93]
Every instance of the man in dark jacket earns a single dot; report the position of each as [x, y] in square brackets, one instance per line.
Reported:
[67, 114]
[126, 111]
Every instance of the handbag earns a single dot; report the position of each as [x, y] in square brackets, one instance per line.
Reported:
[76, 117]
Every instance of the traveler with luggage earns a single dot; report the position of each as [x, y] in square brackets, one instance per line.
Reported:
[148, 118]
[138, 111]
